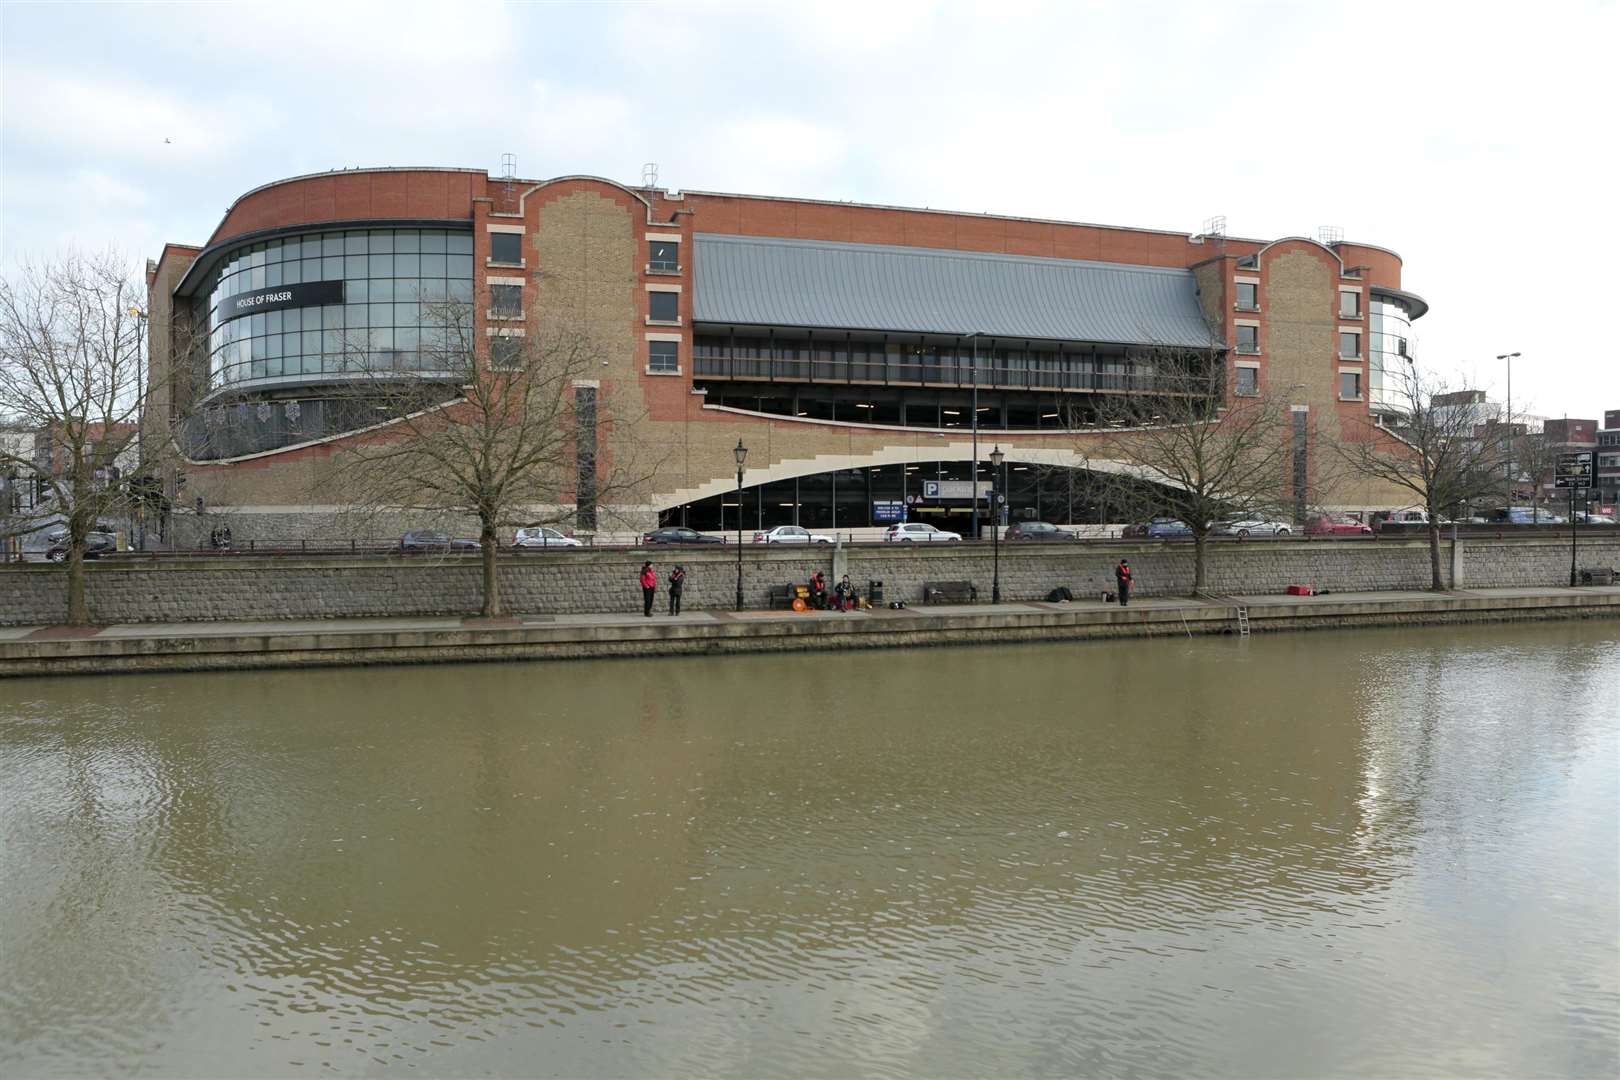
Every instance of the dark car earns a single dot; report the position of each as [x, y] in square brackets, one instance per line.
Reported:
[680, 534]
[1039, 531]
[96, 545]
[421, 541]
[1158, 529]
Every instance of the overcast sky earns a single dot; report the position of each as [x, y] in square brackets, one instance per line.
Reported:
[1477, 140]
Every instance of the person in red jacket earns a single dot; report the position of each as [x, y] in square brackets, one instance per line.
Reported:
[1122, 577]
[649, 588]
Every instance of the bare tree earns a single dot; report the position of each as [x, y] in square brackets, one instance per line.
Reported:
[1434, 451]
[1533, 458]
[1189, 451]
[71, 372]
[508, 437]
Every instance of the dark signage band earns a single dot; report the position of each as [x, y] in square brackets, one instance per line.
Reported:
[304, 294]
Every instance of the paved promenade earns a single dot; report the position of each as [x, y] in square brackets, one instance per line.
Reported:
[39, 650]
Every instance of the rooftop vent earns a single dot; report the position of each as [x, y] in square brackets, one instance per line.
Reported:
[1330, 234]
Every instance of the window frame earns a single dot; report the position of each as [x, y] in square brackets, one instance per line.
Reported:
[1248, 348]
[1253, 304]
[662, 353]
[1354, 296]
[1237, 382]
[653, 317]
[496, 238]
[1359, 389]
[656, 265]
[1355, 334]
[499, 310]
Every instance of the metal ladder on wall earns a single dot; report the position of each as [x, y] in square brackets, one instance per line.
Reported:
[1243, 621]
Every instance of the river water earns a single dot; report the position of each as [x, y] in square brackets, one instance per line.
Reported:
[1380, 853]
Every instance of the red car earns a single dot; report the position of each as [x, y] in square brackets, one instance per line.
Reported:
[1325, 525]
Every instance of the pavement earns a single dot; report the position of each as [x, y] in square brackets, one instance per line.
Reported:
[1151, 606]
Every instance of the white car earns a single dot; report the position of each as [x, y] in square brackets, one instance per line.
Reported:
[790, 534]
[542, 537]
[1251, 527]
[917, 532]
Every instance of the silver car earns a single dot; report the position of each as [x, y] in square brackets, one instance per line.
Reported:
[790, 534]
[1250, 527]
[538, 537]
[917, 532]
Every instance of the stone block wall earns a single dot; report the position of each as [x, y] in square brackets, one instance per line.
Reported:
[246, 587]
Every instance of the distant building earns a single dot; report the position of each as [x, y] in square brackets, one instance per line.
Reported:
[1607, 445]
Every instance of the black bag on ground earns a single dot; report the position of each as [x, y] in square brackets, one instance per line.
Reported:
[1059, 595]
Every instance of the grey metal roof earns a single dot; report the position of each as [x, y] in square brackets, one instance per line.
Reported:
[765, 281]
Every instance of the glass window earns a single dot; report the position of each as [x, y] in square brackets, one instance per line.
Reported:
[407, 240]
[1349, 345]
[506, 301]
[1350, 305]
[433, 241]
[663, 306]
[432, 266]
[1248, 296]
[1248, 381]
[506, 248]
[1350, 385]
[663, 356]
[505, 353]
[663, 255]
[458, 266]
[1248, 339]
[459, 244]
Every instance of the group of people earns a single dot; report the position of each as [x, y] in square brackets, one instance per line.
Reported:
[649, 588]
[844, 598]
[843, 594]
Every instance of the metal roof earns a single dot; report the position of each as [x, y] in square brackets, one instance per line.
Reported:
[766, 281]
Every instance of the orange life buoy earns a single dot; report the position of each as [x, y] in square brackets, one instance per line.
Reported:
[799, 604]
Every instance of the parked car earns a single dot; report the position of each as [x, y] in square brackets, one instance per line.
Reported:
[917, 532]
[1409, 517]
[1158, 529]
[1583, 518]
[790, 534]
[423, 541]
[680, 534]
[1039, 531]
[1336, 525]
[541, 537]
[1525, 515]
[1250, 527]
[96, 544]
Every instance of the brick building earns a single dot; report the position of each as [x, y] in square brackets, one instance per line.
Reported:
[851, 347]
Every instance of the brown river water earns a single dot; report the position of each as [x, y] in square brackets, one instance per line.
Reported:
[1365, 853]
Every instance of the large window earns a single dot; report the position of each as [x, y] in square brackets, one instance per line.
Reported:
[663, 357]
[663, 256]
[1248, 381]
[506, 248]
[664, 306]
[1390, 327]
[506, 301]
[1349, 304]
[396, 284]
[1248, 339]
[1349, 386]
[1349, 345]
[1248, 296]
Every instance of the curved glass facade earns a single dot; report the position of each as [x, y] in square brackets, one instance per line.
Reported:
[1390, 329]
[387, 276]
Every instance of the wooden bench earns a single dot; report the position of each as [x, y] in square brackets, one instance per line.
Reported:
[781, 596]
[949, 592]
[1597, 577]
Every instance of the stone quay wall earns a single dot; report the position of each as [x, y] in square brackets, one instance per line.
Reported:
[238, 586]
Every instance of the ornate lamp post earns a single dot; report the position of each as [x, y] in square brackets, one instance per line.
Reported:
[741, 454]
[996, 458]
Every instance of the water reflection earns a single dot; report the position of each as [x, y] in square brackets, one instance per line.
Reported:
[1317, 854]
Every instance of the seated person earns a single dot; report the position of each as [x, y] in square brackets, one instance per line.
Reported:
[845, 593]
[818, 591]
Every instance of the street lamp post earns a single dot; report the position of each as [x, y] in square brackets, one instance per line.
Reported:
[741, 454]
[1508, 508]
[996, 458]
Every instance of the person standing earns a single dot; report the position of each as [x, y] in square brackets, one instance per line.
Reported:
[677, 580]
[649, 588]
[1122, 578]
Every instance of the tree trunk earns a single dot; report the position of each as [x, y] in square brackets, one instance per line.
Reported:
[492, 581]
[78, 612]
[1200, 541]
[1436, 582]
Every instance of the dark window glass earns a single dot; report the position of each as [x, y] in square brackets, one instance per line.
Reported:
[663, 255]
[506, 248]
[1248, 380]
[1248, 339]
[1350, 385]
[505, 352]
[663, 356]
[506, 300]
[1350, 305]
[1248, 296]
[663, 306]
[1349, 345]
